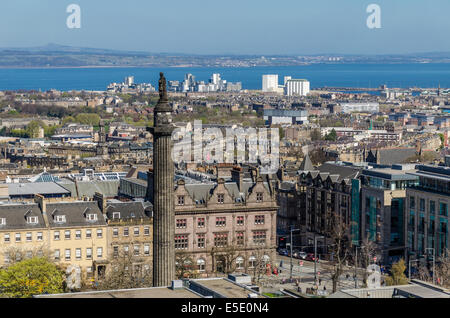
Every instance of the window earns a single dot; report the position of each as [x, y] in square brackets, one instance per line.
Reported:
[220, 239]
[201, 265]
[259, 237]
[57, 255]
[67, 234]
[56, 235]
[67, 254]
[88, 233]
[116, 215]
[78, 253]
[220, 198]
[422, 205]
[201, 222]
[2, 221]
[29, 237]
[136, 231]
[7, 259]
[88, 253]
[201, 240]
[32, 220]
[259, 197]
[40, 253]
[252, 262]
[146, 249]
[29, 254]
[181, 242]
[181, 223]
[115, 251]
[240, 238]
[240, 220]
[99, 252]
[443, 209]
[240, 263]
[6, 238]
[412, 203]
[39, 236]
[89, 271]
[91, 217]
[146, 230]
[78, 234]
[221, 221]
[60, 219]
[126, 249]
[18, 238]
[136, 250]
[181, 200]
[125, 231]
[115, 232]
[259, 219]
[432, 207]
[99, 233]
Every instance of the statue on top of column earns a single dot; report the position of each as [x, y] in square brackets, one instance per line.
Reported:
[162, 87]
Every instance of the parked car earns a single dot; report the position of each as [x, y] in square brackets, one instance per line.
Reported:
[302, 255]
[283, 252]
[310, 257]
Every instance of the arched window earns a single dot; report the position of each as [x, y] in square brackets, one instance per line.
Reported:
[252, 262]
[201, 264]
[240, 263]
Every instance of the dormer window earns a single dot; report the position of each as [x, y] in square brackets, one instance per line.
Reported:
[220, 198]
[60, 219]
[32, 220]
[116, 215]
[259, 197]
[2, 221]
[91, 217]
[181, 200]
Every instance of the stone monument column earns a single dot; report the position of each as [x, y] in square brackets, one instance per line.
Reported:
[163, 188]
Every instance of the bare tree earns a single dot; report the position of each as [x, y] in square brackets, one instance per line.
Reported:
[184, 265]
[228, 254]
[368, 250]
[258, 266]
[126, 271]
[443, 269]
[338, 233]
[17, 254]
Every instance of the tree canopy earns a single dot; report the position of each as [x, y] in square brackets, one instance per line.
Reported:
[31, 277]
[397, 276]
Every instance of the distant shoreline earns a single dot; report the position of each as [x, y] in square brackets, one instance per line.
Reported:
[201, 66]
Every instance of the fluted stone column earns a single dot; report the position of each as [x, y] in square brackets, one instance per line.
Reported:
[163, 187]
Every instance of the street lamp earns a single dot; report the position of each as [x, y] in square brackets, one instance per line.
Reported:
[315, 257]
[409, 267]
[356, 265]
[434, 262]
[292, 265]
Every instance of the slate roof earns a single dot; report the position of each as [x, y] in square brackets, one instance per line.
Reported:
[15, 215]
[75, 213]
[341, 171]
[129, 210]
[306, 164]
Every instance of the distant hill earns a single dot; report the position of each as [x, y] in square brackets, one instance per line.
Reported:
[54, 55]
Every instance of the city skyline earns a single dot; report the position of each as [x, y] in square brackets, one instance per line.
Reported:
[292, 27]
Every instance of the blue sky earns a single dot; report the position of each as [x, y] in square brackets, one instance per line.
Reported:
[231, 26]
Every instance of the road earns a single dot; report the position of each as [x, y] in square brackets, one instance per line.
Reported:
[305, 276]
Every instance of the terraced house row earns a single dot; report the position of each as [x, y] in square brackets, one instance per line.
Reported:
[87, 234]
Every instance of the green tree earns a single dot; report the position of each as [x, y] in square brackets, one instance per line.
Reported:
[88, 119]
[33, 129]
[332, 136]
[397, 276]
[31, 277]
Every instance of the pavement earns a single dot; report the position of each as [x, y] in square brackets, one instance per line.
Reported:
[305, 276]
